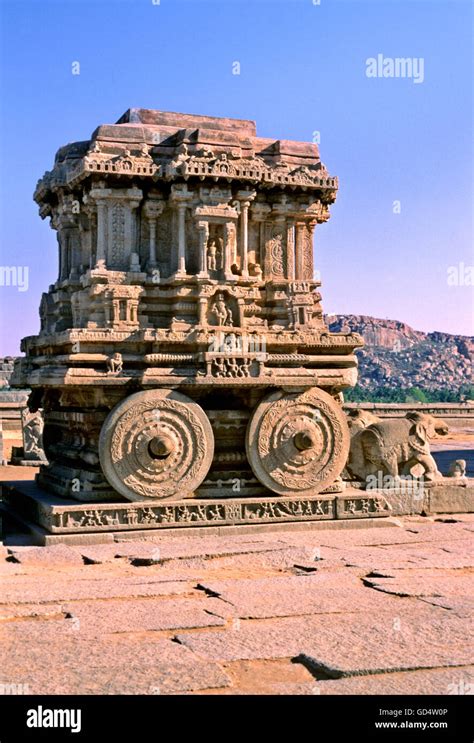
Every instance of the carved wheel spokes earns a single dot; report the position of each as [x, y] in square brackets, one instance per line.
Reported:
[297, 443]
[156, 444]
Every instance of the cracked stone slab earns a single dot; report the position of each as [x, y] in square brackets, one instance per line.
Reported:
[420, 583]
[56, 555]
[193, 553]
[345, 645]
[31, 589]
[424, 531]
[98, 554]
[101, 617]
[455, 555]
[17, 611]
[278, 559]
[210, 547]
[372, 645]
[118, 666]
[463, 606]
[295, 595]
[443, 682]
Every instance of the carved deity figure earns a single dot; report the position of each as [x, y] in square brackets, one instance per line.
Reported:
[219, 367]
[221, 312]
[212, 256]
[33, 434]
[115, 363]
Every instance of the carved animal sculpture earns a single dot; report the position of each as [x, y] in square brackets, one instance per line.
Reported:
[357, 420]
[393, 447]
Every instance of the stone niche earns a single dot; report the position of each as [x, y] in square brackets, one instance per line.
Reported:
[183, 364]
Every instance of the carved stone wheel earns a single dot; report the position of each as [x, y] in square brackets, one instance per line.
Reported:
[156, 444]
[297, 444]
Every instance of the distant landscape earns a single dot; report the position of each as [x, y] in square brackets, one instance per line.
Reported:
[400, 364]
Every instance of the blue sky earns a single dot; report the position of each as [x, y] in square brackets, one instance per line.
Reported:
[303, 69]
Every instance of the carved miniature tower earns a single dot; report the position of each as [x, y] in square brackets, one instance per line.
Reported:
[183, 363]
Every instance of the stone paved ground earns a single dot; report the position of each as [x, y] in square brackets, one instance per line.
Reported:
[354, 611]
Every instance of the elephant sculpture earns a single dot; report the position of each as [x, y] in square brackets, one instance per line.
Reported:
[357, 420]
[393, 447]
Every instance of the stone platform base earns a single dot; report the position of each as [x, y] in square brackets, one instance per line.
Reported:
[450, 496]
[447, 495]
[51, 517]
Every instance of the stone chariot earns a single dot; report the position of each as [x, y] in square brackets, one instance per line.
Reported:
[183, 364]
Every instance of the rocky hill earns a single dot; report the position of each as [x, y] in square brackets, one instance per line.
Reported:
[396, 356]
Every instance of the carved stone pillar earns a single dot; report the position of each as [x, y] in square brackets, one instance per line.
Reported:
[229, 241]
[68, 248]
[62, 257]
[244, 238]
[203, 228]
[101, 233]
[65, 221]
[182, 239]
[299, 251]
[202, 311]
[309, 253]
[115, 311]
[290, 249]
[259, 213]
[152, 210]
[180, 197]
[88, 232]
[245, 198]
[152, 246]
[131, 245]
[241, 316]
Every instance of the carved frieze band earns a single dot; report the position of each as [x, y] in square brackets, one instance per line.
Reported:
[111, 517]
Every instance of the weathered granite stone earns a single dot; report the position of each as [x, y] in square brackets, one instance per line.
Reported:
[29, 589]
[423, 583]
[58, 555]
[119, 665]
[453, 495]
[98, 554]
[208, 548]
[15, 611]
[442, 682]
[462, 606]
[296, 595]
[347, 644]
[395, 558]
[98, 618]
[175, 553]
